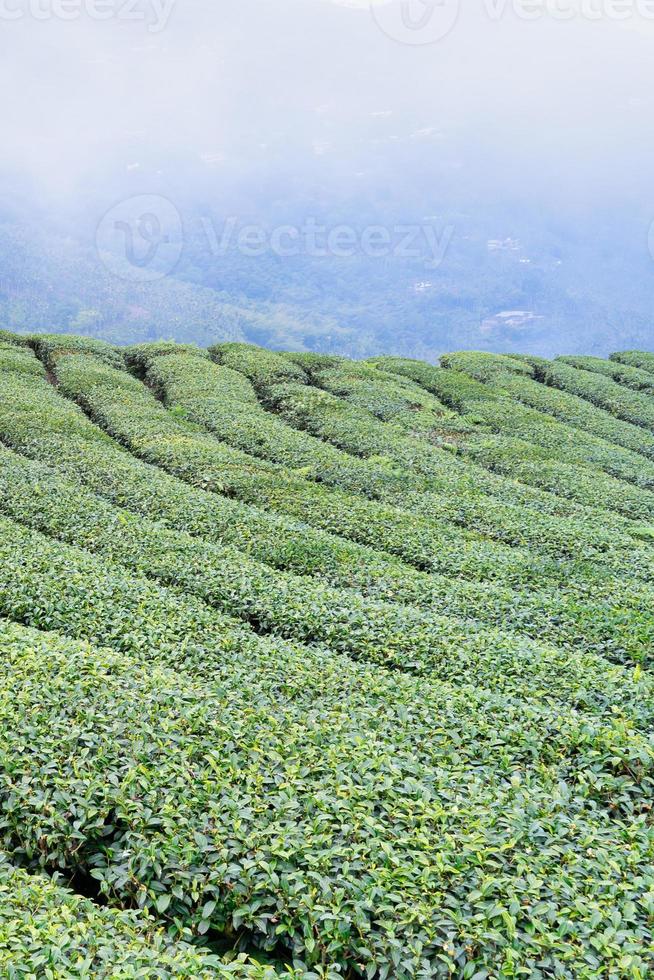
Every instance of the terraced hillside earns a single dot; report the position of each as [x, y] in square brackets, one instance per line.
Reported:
[325, 669]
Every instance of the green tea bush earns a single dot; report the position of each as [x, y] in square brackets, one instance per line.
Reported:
[580, 413]
[262, 367]
[49, 347]
[272, 601]
[13, 339]
[224, 402]
[566, 472]
[39, 422]
[624, 374]
[456, 493]
[310, 362]
[636, 358]
[389, 397]
[47, 931]
[631, 406]
[349, 733]
[561, 618]
[570, 409]
[215, 398]
[572, 610]
[484, 366]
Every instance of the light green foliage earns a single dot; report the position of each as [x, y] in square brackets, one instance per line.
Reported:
[635, 358]
[47, 931]
[50, 347]
[624, 374]
[631, 406]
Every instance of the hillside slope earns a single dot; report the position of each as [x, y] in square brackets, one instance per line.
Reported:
[328, 668]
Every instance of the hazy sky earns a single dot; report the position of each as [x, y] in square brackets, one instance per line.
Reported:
[502, 97]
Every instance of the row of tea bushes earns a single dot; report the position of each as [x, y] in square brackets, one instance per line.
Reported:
[521, 386]
[127, 410]
[231, 471]
[579, 413]
[461, 498]
[125, 407]
[212, 396]
[49, 347]
[224, 402]
[509, 456]
[215, 397]
[387, 396]
[580, 612]
[624, 374]
[370, 835]
[52, 585]
[46, 931]
[262, 367]
[492, 409]
[272, 601]
[583, 612]
[535, 466]
[636, 358]
[484, 408]
[39, 422]
[489, 818]
[632, 406]
[357, 431]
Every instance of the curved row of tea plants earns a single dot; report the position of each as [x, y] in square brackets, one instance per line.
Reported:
[224, 402]
[624, 374]
[584, 611]
[214, 397]
[463, 495]
[272, 601]
[632, 406]
[526, 445]
[491, 817]
[122, 406]
[37, 421]
[636, 358]
[502, 377]
[536, 448]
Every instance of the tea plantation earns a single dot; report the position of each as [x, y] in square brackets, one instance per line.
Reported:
[324, 669]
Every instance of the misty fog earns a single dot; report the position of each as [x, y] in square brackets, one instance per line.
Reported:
[524, 121]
